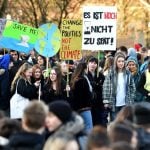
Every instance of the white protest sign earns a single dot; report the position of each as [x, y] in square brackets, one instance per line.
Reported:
[99, 28]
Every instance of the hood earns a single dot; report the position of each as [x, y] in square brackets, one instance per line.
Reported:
[75, 126]
[132, 52]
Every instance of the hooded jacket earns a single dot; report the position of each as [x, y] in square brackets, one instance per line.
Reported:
[76, 127]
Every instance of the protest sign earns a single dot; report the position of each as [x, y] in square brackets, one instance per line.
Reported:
[2, 25]
[71, 32]
[48, 43]
[99, 28]
[18, 37]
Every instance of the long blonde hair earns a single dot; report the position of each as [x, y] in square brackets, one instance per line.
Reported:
[21, 74]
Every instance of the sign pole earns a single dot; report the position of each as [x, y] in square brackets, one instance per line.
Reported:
[98, 64]
[67, 77]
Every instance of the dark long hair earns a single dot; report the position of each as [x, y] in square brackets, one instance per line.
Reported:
[58, 80]
[79, 71]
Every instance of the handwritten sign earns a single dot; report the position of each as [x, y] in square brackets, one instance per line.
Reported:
[19, 37]
[71, 32]
[99, 28]
[49, 38]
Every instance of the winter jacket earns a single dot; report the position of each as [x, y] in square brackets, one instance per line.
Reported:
[97, 84]
[49, 94]
[76, 127]
[26, 141]
[26, 89]
[81, 94]
[110, 87]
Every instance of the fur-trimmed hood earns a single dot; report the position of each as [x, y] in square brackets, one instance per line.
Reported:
[74, 126]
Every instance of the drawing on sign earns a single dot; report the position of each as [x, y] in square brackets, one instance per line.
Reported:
[87, 26]
[24, 41]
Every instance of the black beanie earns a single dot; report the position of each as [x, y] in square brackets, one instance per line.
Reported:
[61, 109]
[142, 113]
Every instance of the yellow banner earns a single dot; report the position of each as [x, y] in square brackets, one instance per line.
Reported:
[71, 41]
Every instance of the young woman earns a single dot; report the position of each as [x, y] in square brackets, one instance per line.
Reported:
[133, 67]
[55, 87]
[118, 88]
[82, 94]
[41, 60]
[23, 81]
[38, 76]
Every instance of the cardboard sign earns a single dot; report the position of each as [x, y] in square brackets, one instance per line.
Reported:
[71, 32]
[48, 43]
[99, 28]
[18, 37]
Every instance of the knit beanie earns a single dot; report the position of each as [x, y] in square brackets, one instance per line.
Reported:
[132, 59]
[61, 109]
[142, 113]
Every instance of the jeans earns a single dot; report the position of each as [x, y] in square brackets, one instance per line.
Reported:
[87, 117]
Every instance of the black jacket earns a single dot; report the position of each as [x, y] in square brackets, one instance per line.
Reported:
[81, 95]
[49, 94]
[97, 84]
[26, 89]
[26, 141]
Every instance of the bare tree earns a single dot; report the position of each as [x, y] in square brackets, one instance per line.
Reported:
[3, 8]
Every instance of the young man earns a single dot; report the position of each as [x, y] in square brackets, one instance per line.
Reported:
[61, 118]
[33, 122]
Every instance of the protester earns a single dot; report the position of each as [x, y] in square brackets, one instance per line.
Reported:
[41, 60]
[55, 87]
[5, 61]
[121, 132]
[108, 65]
[82, 94]
[133, 67]
[98, 139]
[61, 141]
[142, 122]
[37, 76]
[16, 65]
[123, 49]
[96, 78]
[33, 121]
[61, 118]
[118, 88]
[22, 81]
[8, 127]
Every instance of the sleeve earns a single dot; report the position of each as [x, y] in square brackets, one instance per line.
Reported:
[132, 90]
[26, 89]
[107, 89]
[141, 83]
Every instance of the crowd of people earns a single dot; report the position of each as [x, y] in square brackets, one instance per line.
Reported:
[87, 104]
